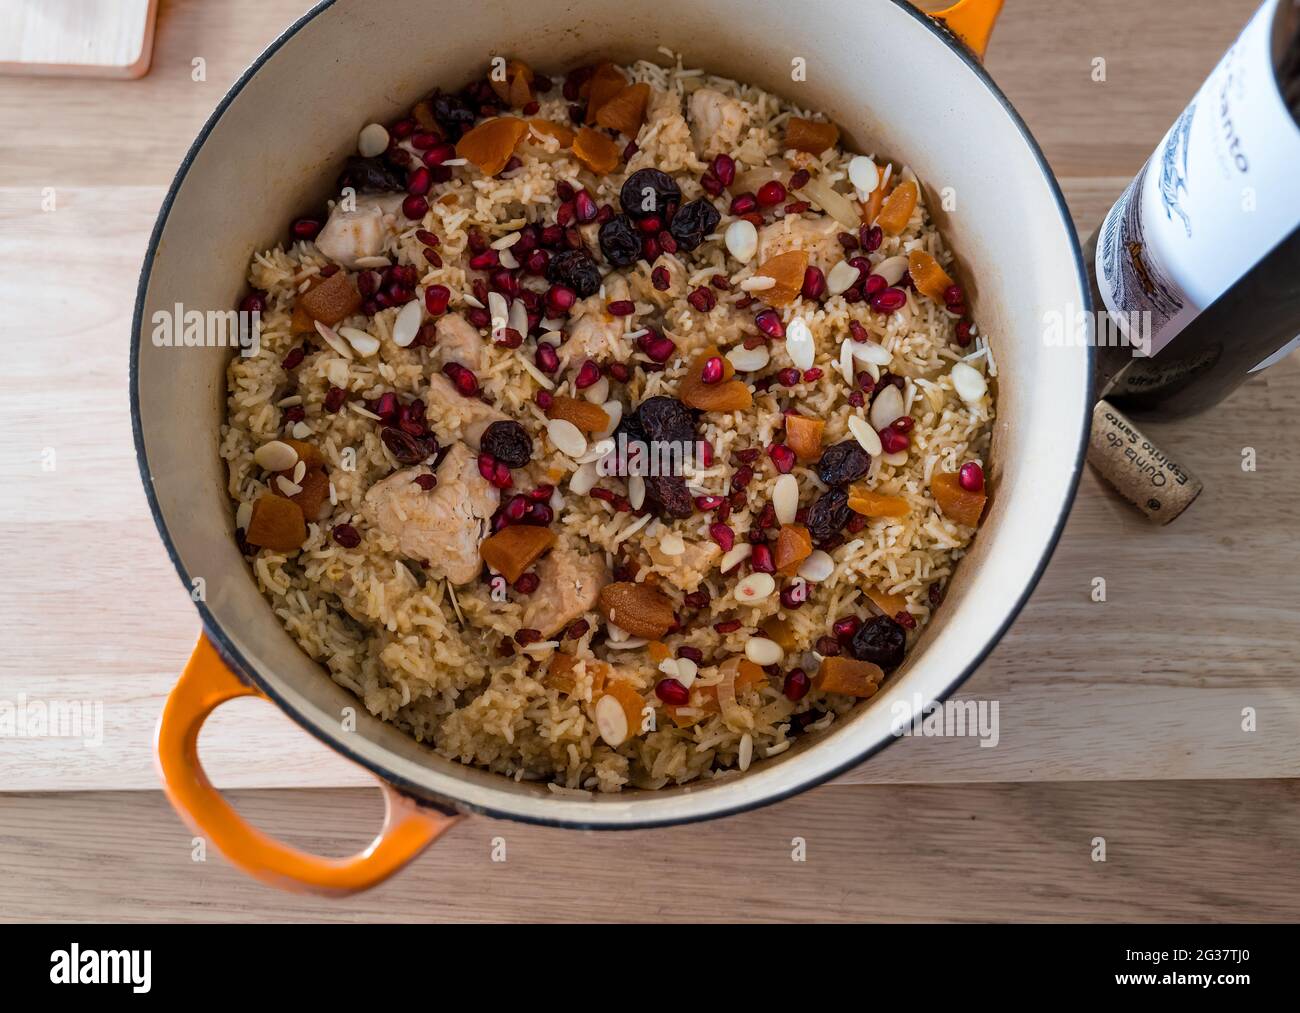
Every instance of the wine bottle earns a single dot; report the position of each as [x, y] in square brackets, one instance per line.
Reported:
[1198, 262]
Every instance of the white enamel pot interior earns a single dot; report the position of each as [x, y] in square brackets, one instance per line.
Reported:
[888, 75]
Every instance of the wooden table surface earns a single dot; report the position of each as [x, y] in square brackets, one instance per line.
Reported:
[1120, 719]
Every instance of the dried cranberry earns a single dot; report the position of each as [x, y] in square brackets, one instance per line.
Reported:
[508, 441]
[693, 222]
[576, 270]
[649, 192]
[346, 535]
[827, 647]
[334, 399]
[828, 515]
[371, 175]
[843, 462]
[577, 628]
[527, 583]
[880, 641]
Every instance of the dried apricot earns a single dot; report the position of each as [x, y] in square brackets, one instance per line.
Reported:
[606, 82]
[590, 418]
[849, 676]
[749, 674]
[277, 524]
[515, 86]
[810, 135]
[334, 299]
[561, 676]
[727, 395]
[625, 112]
[779, 631]
[637, 608]
[552, 129]
[870, 503]
[614, 727]
[490, 144]
[928, 277]
[315, 494]
[787, 269]
[308, 453]
[596, 151]
[658, 651]
[804, 436]
[898, 207]
[956, 503]
[889, 604]
[793, 546]
[513, 550]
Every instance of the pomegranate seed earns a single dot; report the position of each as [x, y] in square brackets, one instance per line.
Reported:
[584, 208]
[849, 241]
[800, 179]
[708, 502]
[827, 647]
[782, 456]
[485, 261]
[697, 599]
[893, 441]
[814, 283]
[577, 628]
[873, 285]
[426, 482]
[724, 168]
[254, 302]
[706, 455]
[730, 626]
[306, 228]
[544, 399]
[971, 477]
[528, 583]
[438, 154]
[672, 692]
[630, 151]
[516, 508]
[588, 374]
[712, 370]
[547, 359]
[723, 535]
[508, 338]
[424, 140]
[856, 399]
[769, 322]
[935, 595]
[905, 620]
[856, 523]
[796, 684]
[702, 299]
[621, 308]
[527, 636]
[711, 185]
[295, 413]
[743, 203]
[845, 627]
[761, 559]
[650, 224]
[660, 279]
[797, 207]
[871, 238]
[667, 243]
[771, 193]
[888, 300]
[402, 128]
[963, 333]
[619, 371]
[788, 377]
[857, 332]
[560, 299]
[415, 208]
[693, 653]
[658, 347]
[346, 535]
[793, 596]
[953, 294]
[294, 359]
[650, 249]
[478, 243]
[479, 317]
[812, 375]
[386, 406]
[334, 399]
[465, 381]
[419, 182]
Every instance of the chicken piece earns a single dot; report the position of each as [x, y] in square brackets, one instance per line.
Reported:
[717, 121]
[691, 567]
[443, 525]
[350, 235]
[570, 586]
[459, 341]
[817, 236]
[453, 417]
[595, 334]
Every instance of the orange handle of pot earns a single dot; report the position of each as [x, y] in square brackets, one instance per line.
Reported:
[204, 685]
[971, 21]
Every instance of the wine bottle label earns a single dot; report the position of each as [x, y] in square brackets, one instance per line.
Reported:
[1218, 192]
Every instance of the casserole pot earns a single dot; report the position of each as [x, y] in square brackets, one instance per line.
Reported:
[897, 81]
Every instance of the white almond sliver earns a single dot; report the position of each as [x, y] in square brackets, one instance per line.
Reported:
[785, 498]
[499, 310]
[299, 472]
[872, 353]
[334, 341]
[301, 430]
[749, 360]
[611, 722]
[243, 515]
[517, 320]
[583, 480]
[275, 456]
[670, 542]
[567, 437]
[757, 283]
[863, 174]
[614, 409]
[887, 407]
[755, 587]
[799, 344]
[598, 392]
[741, 239]
[735, 556]
[891, 269]
[407, 324]
[762, 651]
[842, 278]
[635, 489]
[817, 567]
[968, 382]
[868, 439]
[364, 343]
[290, 489]
[686, 671]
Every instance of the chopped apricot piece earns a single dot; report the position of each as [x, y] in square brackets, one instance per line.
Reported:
[849, 676]
[874, 201]
[490, 144]
[513, 550]
[308, 453]
[727, 395]
[658, 651]
[804, 436]
[889, 604]
[927, 275]
[625, 112]
[561, 675]
[631, 701]
[870, 503]
[956, 503]
[637, 608]
[422, 113]
[596, 151]
[780, 631]
[606, 82]
[590, 418]
[301, 321]
[515, 86]
[810, 135]
[787, 269]
[552, 129]
[277, 524]
[749, 674]
[334, 299]
[898, 207]
[315, 493]
[793, 546]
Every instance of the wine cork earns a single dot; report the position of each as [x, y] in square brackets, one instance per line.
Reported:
[1138, 468]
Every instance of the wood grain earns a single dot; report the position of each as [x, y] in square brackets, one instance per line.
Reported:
[1198, 621]
[1189, 851]
[77, 38]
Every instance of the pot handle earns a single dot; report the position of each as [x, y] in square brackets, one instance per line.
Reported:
[971, 21]
[205, 684]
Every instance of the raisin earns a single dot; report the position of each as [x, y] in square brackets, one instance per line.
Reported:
[509, 443]
[371, 175]
[577, 270]
[799, 722]
[630, 427]
[887, 378]
[669, 494]
[693, 222]
[667, 420]
[828, 514]
[454, 114]
[844, 462]
[650, 192]
[620, 241]
[880, 641]
[406, 448]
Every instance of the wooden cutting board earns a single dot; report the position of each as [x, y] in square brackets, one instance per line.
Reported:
[77, 38]
[1199, 620]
